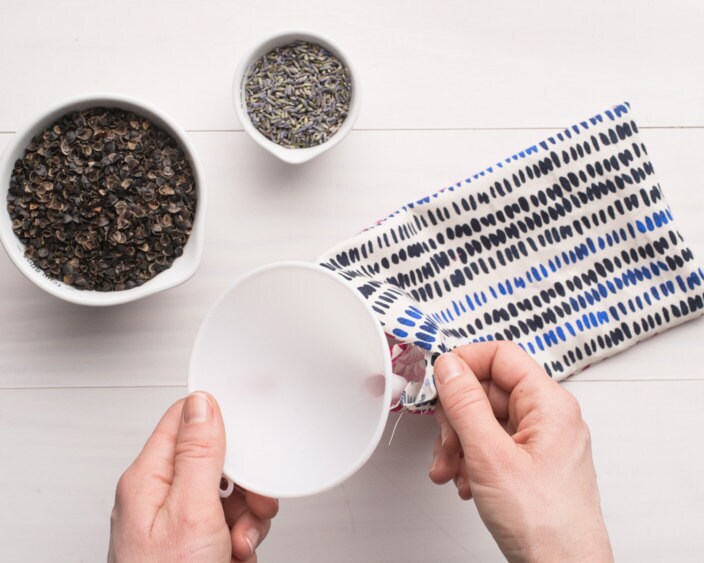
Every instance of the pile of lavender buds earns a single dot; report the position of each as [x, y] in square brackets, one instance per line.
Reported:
[298, 95]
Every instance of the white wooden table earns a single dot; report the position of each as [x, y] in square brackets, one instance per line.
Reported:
[448, 87]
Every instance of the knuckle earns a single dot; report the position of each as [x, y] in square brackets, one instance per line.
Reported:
[194, 448]
[123, 489]
[462, 400]
[575, 428]
[575, 412]
[585, 436]
[264, 508]
[509, 346]
[273, 510]
[114, 517]
[571, 409]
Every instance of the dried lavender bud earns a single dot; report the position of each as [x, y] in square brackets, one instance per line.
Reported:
[89, 198]
[298, 95]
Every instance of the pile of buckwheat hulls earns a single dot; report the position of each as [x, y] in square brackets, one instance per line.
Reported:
[298, 95]
[102, 199]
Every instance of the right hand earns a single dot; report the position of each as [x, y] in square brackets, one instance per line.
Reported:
[515, 441]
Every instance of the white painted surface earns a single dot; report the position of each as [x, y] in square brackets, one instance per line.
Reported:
[80, 389]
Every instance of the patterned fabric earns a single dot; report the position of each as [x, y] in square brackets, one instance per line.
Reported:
[567, 248]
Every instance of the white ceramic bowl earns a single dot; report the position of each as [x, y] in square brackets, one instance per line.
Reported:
[292, 155]
[181, 269]
[301, 370]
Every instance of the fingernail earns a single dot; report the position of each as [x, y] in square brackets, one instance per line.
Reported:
[448, 366]
[459, 483]
[197, 409]
[251, 536]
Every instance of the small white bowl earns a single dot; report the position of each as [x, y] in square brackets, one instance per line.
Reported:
[292, 155]
[182, 268]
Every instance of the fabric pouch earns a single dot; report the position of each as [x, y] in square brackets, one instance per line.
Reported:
[567, 248]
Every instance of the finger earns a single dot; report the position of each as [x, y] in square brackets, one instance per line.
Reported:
[199, 455]
[445, 465]
[530, 389]
[461, 480]
[504, 363]
[247, 533]
[146, 483]
[261, 506]
[498, 398]
[239, 502]
[467, 408]
[234, 506]
[448, 437]
[252, 559]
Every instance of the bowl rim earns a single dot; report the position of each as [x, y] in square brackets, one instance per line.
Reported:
[375, 437]
[260, 48]
[14, 247]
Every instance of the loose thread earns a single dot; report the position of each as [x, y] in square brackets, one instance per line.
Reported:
[393, 432]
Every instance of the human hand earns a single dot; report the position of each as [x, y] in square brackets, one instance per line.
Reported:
[167, 504]
[515, 441]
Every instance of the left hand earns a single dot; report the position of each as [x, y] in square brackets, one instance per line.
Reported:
[167, 504]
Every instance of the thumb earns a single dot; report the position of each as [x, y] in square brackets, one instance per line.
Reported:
[199, 454]
[467, 407]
